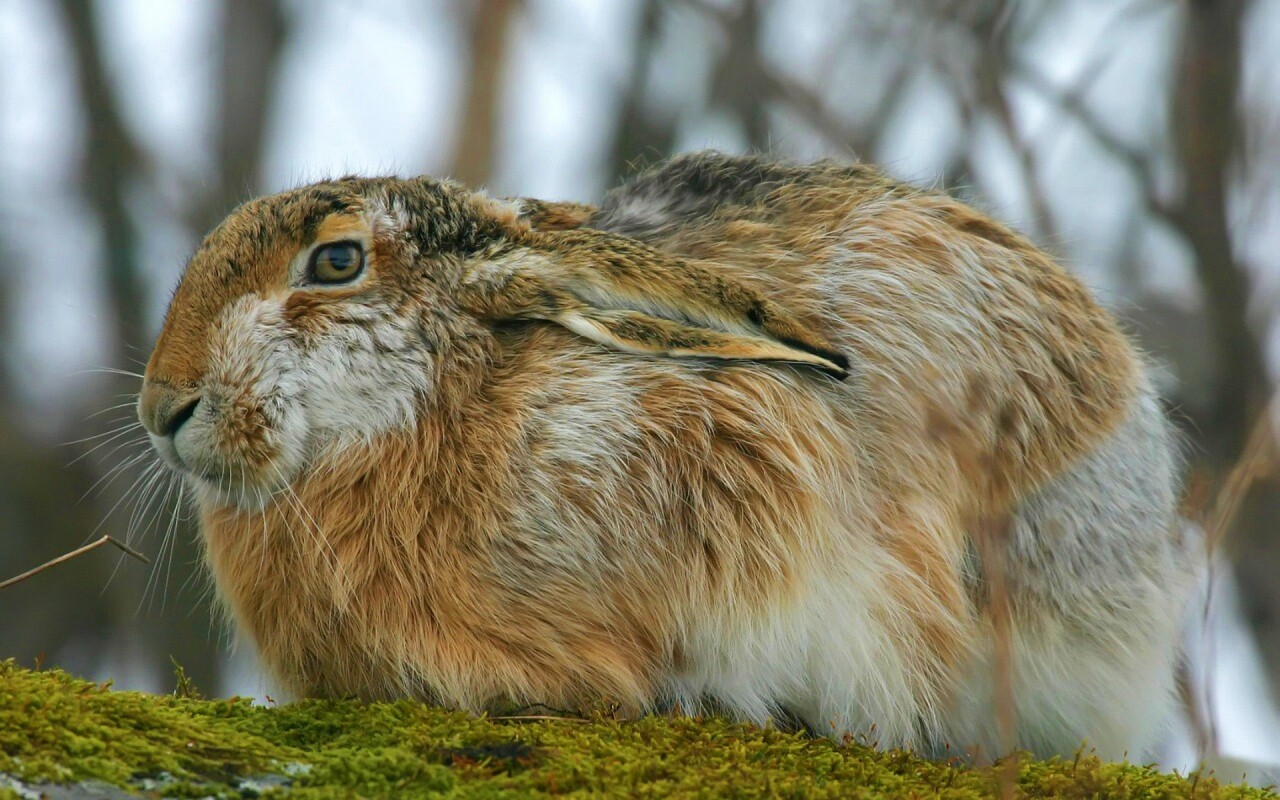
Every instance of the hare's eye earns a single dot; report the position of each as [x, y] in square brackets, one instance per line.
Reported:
[336, 263]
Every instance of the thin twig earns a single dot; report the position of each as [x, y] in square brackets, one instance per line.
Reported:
[806, 101]
[993, 539]
[993, 543]
[106, 539]
[1138, 163]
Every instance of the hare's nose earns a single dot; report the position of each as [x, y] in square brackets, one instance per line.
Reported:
[169, 425]
[163, 411]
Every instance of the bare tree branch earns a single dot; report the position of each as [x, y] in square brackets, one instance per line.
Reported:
[771, 85]
[251, 42]
[639, 133]
[112, 159]
[1138, 162]
[1208, 77]
[980, 86]
[477, 137]
[737, 77]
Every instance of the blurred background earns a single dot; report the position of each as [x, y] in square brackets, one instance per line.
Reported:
[1137, 140]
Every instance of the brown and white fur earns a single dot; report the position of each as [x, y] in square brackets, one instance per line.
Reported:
[728, 441]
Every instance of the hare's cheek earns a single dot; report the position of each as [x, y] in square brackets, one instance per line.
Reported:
[249, 429]
[365, 378]
[258, 435]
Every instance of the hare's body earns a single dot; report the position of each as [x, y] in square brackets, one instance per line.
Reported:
[439, 495]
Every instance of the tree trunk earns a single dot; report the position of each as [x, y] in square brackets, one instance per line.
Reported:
[252, 40]
[477, 137]
[1207, 137]
[640, 134]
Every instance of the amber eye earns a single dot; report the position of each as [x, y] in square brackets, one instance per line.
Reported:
[336, 263]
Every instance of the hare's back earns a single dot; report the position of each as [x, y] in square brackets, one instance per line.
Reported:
[954, 324]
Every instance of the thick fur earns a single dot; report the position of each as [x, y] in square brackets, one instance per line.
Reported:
[728, 441]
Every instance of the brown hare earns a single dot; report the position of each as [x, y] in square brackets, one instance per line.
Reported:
[729, 441]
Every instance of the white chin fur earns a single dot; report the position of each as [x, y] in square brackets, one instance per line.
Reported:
[226, 490]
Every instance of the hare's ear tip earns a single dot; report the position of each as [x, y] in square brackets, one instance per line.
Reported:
[839, 369]
[829, 361]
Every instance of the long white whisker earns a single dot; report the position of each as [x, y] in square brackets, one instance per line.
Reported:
[148, 510]
[133, 456]
[145, 496]
[150, 474]
[127, 404]
[304, 516]
[262, 510]
[124, 426]
[125, 431]
[112, 474]
[134, 495]
[116, 504]
[178, 518]
[126, 444]
[170, 534]
[109, 371]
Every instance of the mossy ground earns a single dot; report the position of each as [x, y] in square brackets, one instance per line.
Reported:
[58, 729]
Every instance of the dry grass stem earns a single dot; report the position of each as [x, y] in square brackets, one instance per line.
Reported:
[74, 553]
[1257, 460]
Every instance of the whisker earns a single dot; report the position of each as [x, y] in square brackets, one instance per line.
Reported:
[112, 474]
[150, 474]
[304, 516]
[123, 426]
[127, 493]
[127, 404]
[118, 469]
[107, 456]
[109, 371]
[262, 510]
[166, 543]
[118, 434]
[144, 496]
[133, 495]
[138, 361]
[176, 520]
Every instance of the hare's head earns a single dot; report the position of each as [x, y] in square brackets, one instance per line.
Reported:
[322, 317]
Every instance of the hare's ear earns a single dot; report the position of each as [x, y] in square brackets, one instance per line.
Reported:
[626, 295]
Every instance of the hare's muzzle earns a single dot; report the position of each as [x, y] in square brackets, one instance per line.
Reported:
[163, 410]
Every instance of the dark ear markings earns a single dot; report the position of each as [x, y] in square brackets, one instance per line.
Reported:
[839, 359]
[782, 325]
[637, 332]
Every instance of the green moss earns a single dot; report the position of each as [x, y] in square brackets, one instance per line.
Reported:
[55, 728]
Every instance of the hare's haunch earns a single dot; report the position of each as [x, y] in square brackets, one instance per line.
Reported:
[731, 440]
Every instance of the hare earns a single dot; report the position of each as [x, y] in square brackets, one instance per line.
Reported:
[743, 438]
